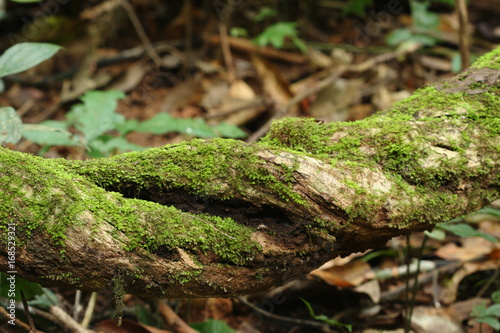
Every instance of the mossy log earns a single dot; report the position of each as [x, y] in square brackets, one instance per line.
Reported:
[223, 217]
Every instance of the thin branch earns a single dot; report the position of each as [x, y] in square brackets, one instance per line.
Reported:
[140, 31]
[313, 323]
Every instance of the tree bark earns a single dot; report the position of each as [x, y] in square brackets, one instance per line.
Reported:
[223, 217]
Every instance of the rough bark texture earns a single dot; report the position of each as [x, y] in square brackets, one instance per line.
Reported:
[222, 217]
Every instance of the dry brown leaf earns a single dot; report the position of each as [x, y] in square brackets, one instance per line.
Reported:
[472, 248]
[185, 93]
[371, 288]
[273, 84]
[432, 320]
[133, 76]
[349, 275]
[332, 103]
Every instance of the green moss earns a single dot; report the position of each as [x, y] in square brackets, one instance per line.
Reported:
[51, 201]
[40, 196]
[490, 60]
[222, 166]
[359, 190]
[393, 141]
[185, 276]
[118, 294]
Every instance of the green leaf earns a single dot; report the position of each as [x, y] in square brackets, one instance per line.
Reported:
[10, 125]
[160, 123]
[490, 211]
[276, 34]
[398, 36]
[163, 123]
[23, 56]
[478, 310]
[113, 145]
[127, 126]
[300, 44]
[309, 307]
[11, 284]
[229, 131]
[495, 296]
[493, 310]
[424, 40]
[436, 234]
[422, 17]
[147, 317]
[493, 322]
[465, 230]
[456, 63]
[357, 7]
[212, 326]
[264, 13]
[404, 35]
[44, 301]
[324, 318]
[97, 114]
[50, 132]
[238, 32]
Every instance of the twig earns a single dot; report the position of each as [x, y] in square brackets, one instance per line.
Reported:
[269, 52]
[77, 305]
[188, 38]
[140, 31]
[173, 320]
[28, 314]
[296, 99]
[25, 107]
[258, 102]
[90, 310]
[66, 320]
[464, 37]
[226, 51]
[282, 318]
[18, 321]
[370, 63]
[415, 284]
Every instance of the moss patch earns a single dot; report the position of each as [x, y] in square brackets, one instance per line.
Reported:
[51, 200]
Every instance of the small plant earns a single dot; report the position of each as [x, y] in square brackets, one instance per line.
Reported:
[212, 325]
[488, 315]
[422, 19]
[16, 59]
[276, 34]
[96, 119]
[357, 7]
[93, 119]
[461, 226]
[324, 318]
[23, 56]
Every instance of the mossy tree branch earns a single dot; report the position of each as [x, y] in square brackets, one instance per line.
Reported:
[222, 217]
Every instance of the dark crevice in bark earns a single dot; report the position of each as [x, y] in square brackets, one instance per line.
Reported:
[262, 217]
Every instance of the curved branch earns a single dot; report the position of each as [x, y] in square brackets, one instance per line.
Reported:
[222, 217]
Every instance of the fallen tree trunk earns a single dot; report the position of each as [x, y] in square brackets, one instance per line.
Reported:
[222, 217]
